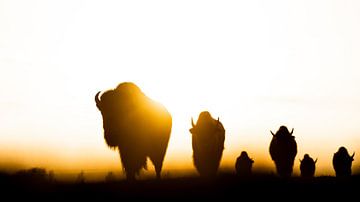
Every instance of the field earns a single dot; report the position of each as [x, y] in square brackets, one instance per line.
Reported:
[225, 186]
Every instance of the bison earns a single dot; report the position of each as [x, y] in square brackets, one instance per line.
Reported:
[243, 164]
[342, 162]
[307, 166]
[208, 136]
[283, 149]
[136, 125]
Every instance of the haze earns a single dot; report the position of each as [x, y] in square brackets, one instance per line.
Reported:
[255, 64]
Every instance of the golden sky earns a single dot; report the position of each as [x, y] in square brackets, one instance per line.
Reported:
[255, 64]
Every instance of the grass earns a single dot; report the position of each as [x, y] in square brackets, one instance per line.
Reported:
[224, 186]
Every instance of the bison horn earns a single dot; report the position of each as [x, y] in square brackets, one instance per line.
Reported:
[192, 122]
[272, 133]
[218, 121]
[315, 160]
[97, 100]
[353, 156]
[292, 131]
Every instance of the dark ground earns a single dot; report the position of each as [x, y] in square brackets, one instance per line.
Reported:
[225, 186]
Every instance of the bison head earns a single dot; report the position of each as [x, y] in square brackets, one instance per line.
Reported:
[206, 124]
[344, 153]
[283, 131]
[107, 104]
[115, 106]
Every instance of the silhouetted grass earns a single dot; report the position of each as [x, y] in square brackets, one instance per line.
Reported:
[224, 186]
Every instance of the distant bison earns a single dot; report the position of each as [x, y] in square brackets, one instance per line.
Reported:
[208, 136]
[342, 162]
[307, 166]
[243, 164]
[283, 149]
[136, 125]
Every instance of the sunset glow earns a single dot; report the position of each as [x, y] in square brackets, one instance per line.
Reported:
[256, 65]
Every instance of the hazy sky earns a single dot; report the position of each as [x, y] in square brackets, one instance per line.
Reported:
[255, 64]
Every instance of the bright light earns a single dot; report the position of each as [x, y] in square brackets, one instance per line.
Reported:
[256, 65]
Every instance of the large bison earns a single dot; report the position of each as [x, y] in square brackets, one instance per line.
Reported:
[342, 162]
[138, 126]
[208, 136]
[283, 149]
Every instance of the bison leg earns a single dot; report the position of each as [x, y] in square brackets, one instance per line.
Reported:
[158, 168]
[157, 159]
[130, 176]
[132, 162]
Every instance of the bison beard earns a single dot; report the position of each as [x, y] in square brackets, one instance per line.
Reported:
[136, 125]
[208, 137]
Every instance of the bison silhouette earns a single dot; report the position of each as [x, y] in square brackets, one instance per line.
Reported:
[342, 162]
[208, 136]
[307, 166]
[243, 164]
[136, 125]
[283, 149]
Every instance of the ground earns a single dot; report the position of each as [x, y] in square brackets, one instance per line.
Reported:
[225, 186]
